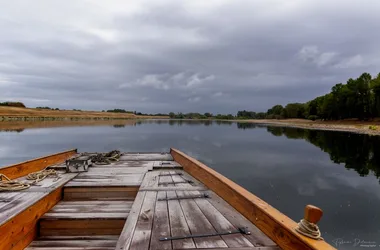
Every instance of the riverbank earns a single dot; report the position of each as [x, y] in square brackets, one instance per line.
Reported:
[31, 114]
[354, 126]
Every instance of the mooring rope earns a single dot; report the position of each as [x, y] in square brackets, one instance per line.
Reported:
[38, 176]
[105, 158]
[7, 184]
[309, 229]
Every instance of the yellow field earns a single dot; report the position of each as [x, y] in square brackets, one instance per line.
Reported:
[31, 113]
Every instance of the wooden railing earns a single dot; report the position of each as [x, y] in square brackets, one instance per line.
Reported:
[277, 226]
[24, 168]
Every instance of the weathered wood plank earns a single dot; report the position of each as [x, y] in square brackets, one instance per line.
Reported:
[178, 224]
[161, 226]
[273, 223]
[143, 230]
[240, 248]
[13, 203]
[199, 224]
[220, 223]
[24, 168]
[125, 239]
[85, 237]
[17, 231]
[77, 227]
[257, 237]
[150, 180]
[70, 248]
[146, 157]
[49, 183]
[176, 188]
[166, 165]
[73, 243]
[94, 215]
[93, 193]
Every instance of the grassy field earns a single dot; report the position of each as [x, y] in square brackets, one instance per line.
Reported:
[13, 113]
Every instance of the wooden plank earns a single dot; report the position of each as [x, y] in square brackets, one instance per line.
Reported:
[150, 180]
[143, 230]
[24, 168]
[17, 230]
[257, 237]
[94, 215]
[125, 239]
[14, 203]
[73, 243]
[29, 237]
[199, 224]
[93, 193]
[81, 227]
[220, 223]
[49, 183]
[76, 237]
[241, 248]
[280, 228]
[178, 224]
[70, 248]
[80, 224]
[176, 188]
[166, 165]
[146, 157]
[161, 226]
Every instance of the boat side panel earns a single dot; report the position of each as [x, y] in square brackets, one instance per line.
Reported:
[280, 228]
[24, 168]
[21, 230]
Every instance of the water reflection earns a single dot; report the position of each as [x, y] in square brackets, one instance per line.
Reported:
[358, 152]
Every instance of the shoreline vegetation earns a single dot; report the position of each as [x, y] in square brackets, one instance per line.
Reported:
[11, 113]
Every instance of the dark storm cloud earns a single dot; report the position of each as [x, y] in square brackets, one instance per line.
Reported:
[162, 56]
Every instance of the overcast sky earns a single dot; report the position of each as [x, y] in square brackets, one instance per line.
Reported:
[171, 55]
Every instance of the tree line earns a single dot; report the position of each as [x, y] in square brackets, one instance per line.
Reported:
[357, 98]
[207, 115]
[13, 104]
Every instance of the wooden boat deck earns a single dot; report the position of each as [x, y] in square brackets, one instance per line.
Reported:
[129, 204]
[152, 218]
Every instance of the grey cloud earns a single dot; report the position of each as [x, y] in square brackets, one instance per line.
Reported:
[163, 56]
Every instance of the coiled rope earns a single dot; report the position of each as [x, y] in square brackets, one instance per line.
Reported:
[309, 229]
[105, 158]
[38, 176]
[7, 184]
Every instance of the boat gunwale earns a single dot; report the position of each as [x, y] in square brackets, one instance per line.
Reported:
[17, 170]
[281, 228]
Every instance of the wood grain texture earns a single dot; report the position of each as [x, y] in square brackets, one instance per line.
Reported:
[95, 193]
[143, 230]
[24, 168]
[178, 224]
[161, 225]
[126, 235]
[257, 237]
[280, 228]
[18, 232]
[198, 224]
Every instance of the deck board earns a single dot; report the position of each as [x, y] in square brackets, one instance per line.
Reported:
[178, 223]
[146, 157]
[181, 217]
[161, 225]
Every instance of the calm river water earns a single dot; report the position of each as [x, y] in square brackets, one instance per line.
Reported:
[286, 167]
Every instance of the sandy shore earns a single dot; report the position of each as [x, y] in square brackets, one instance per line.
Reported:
[360, 127]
